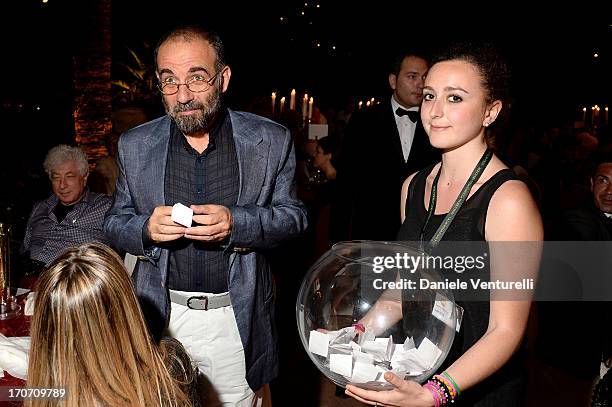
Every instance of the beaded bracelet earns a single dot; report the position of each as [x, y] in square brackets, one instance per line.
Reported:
[448, 385]
[443, 389]
[434, 393]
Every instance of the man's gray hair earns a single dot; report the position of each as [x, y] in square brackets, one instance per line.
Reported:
[64, 153]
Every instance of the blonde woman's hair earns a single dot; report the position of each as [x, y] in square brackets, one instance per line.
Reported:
[89, 337]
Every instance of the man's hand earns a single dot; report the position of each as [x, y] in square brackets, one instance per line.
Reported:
[161, 228]
[215, 220]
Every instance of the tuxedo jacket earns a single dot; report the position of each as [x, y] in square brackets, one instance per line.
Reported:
[267, 212]
[373, 169]
[586, 223]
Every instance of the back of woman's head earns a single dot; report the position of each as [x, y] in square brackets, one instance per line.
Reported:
[89, 335]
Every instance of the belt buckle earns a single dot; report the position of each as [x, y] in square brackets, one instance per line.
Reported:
[198, 298]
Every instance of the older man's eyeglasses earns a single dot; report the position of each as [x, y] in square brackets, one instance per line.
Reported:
[196, 83]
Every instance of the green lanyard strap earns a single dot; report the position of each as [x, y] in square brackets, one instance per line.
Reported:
[448, 219]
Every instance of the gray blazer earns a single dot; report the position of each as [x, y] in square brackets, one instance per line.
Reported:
[267, 213]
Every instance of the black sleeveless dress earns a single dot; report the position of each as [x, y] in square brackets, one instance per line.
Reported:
[506, 387]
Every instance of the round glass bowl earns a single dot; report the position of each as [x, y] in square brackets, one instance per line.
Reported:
[367, 307]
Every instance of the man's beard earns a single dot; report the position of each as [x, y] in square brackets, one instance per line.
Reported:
[200, 121]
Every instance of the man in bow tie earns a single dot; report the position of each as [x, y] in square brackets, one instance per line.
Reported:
[383, 145]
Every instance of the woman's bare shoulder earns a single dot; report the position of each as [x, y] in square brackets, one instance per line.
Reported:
[513, 214]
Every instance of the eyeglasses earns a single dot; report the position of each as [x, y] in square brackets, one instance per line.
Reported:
[196, 83]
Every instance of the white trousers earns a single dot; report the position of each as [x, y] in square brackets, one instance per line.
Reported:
[212, 341]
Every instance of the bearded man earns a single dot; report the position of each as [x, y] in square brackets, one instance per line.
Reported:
[208, 285]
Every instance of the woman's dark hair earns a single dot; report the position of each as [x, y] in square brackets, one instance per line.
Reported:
[328, 145]
[493, 70]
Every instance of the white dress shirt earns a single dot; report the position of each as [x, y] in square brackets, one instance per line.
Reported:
[405, 127]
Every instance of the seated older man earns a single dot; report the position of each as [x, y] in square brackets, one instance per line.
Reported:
[73, 215]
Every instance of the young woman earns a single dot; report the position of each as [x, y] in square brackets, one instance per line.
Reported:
[463, 95]
[89, 338]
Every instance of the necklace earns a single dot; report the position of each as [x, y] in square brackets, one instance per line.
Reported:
[476, 173]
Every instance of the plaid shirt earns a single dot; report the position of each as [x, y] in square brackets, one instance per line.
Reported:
[46, 238]
[195, 179]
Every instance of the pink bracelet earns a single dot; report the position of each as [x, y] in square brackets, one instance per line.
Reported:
[434, 392]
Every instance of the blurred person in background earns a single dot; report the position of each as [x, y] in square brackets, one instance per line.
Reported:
[71, 216]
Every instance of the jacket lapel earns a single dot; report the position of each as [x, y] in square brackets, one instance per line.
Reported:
[252, 153]
[154, 165]
[392, 125]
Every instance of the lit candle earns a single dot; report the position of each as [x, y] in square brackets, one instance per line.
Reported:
[305, 106]
[292, 100]
[310, 103]
[584, 114]
[282, 104]
[592, 114]
[360, 104]
[606, 114]
[597, 109]
[372, 102]
[368, 103]
[273, 102]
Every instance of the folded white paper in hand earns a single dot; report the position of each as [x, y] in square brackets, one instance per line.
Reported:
[14, 355]
[182, 214]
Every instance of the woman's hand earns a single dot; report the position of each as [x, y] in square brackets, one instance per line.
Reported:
[405, 394]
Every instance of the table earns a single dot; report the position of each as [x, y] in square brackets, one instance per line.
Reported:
[18, 326]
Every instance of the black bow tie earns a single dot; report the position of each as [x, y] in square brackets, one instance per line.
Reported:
[412, 115]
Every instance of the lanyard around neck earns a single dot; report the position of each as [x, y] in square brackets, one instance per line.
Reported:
[476, 173]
